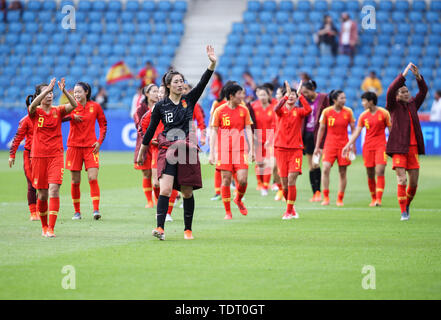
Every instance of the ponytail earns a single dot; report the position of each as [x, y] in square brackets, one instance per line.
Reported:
[37, 92]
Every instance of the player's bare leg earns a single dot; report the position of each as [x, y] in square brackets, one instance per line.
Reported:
[325, 180]
[342, 185]
[76, 193]
[370, 171]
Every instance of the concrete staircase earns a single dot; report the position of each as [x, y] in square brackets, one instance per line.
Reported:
[207, 22]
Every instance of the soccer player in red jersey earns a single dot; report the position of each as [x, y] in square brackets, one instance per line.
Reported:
[375, 119]
[335, 119]
[229, 123]
[150, 98]
[25, 131]
[405, 141]
[289, 144]
[47, 151]
[83, 147]
[264, 135]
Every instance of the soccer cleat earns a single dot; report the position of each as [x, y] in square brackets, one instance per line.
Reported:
[259, 187]
[228, 216]
[404, 216]
[158, 233]
[325, 201]
[263, 192]
[76, 216]
[34, 217]
[317, 197]
[287, 216]
[339, 203]
[188, 235]
[149, 204]
[168, 217]
[216, 197]
[373, 203]
[279, 195]
[294, 214]
[50, 233]
[96, 215]
[44, 232]
[241, 207]
[274, 187]
[378, 203]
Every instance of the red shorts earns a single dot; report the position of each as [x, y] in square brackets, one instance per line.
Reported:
[47, 170]
[288, 161]
[374, 157]
[154, 151]
[233, 162]
[27, 166]
[147, 165]
[75, 156]
[406, 161]
[331, 154]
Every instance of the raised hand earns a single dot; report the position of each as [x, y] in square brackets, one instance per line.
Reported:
[415, 71]
[407, 69]
[288, 89]
[62, 84]
[211, 55]
[51, 85]
[300, 87]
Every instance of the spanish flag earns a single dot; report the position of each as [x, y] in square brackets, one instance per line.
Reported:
[118, 72]
[63, 99]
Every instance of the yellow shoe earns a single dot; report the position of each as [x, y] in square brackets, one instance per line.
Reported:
[279, 195]
[339, 203]
[34, 217]
[188, 235]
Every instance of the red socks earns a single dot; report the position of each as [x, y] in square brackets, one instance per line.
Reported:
[33, 208]
[171, 201]
[54, 207]
[217, 181]
[42, 212]
[156, 192]
[241, 191]
[372, 185]
[76, 195]
[410, 194]
[402, 197]
[95, 194]
[226, 198]
[380, 187]
[292, 195]
[266, 181]
[147, 187]
[340, 196]
[326, 193]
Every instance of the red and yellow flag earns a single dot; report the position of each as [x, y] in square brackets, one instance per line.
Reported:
[63, 99]
[118, 72]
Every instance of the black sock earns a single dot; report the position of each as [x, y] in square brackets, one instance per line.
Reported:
[318, 178]
[161, 210]
[312, 179]
[188, 212]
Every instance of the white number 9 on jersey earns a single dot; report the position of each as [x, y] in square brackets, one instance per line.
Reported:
[169, 117]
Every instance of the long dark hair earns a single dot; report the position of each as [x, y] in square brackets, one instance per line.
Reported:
[37, 92]
[310, 85]
[86, 87]
[222, 92]
[167, 78]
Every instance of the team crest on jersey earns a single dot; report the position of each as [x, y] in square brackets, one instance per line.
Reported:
[294, 113]
[91, 109]
[69, 163]
[55, 114]
[270, 113]
[35, 181]
[184, 103]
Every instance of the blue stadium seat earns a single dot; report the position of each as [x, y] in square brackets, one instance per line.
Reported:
[326, 61]
[21, 49]
[254, 28]
[312, 50]
[128, 28]
[385, 5]
[435, 5]
[112, 27]
[95, 16]
[286, 5]
[428, 61]
[176, 16]
[436, 28]
[316, 16]
[269, 5]
[164, 5]
[282, 16]
[282, 39]
[262, 49]
[249, 17]
[338, 5]
[352, 5]
[300, 39]
[230, 50]
[177, 28]
[387, 28]
[84, 5]
[34, 5]
[272, 28]
[415, 50]
[237, 27]
[299, 16]
[111, 16]
[86, 50]
[398, 16]
[15, 27]
[114, 5]
[402, 5]
[266, 17]
[394, 62]
[419, 5]
[253, 6]
[266, 40]
[416, 17]
[180, 6]
[432, 16]
[159, 16]
[148, 5]
[234, 39]
[403, 28]
[249, 39]
[309, 61]
[144, 28]
[343, 60]
[156, 39]
[303, 5]
[358, 72]
[420, 28]
[99, 5]
[242, 61]
[119, 50]
[132, 6]
[417, 39]
[434, 39]
[432, 51]
[360, 60]
[49, 5]
[289, 28]
[382, 16]
[304, 28]
[321, 5]
[370, 3]
[13, 16]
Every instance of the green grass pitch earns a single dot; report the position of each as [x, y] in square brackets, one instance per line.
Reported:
[319, 256]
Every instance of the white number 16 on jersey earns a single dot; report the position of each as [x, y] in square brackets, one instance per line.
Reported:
[169, 117]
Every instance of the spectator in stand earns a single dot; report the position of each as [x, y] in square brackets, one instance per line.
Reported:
[216, 85]
[435, 112]
[4, 8]
[148, 74]
[101, 98]
[138, 98]
[348, 35]
[304, 78]
[249, 86]
[372, 84]
[327, 37]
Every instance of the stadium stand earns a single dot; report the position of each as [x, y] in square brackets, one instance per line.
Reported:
[407, 31]
[35, 47]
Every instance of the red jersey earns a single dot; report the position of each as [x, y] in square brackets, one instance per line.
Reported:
[337, 126]
[265, 118]
[82, 133]
[145, 121]
[231, 124]
[199, 116]
[24, 131]
[413, 140]
[47, 140]
[148, 76]
[375, 125]
[289, 124]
